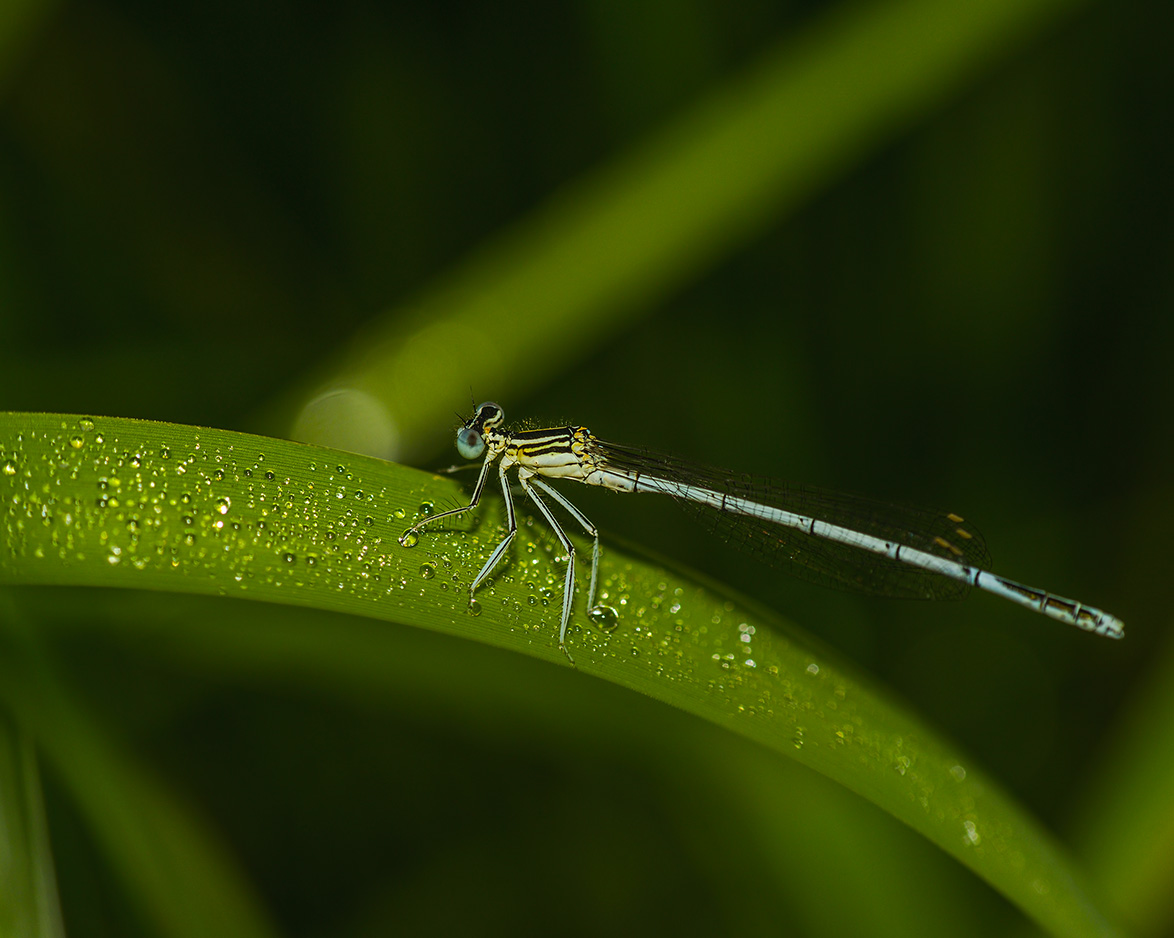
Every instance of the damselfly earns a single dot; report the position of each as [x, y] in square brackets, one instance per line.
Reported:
[839, 540]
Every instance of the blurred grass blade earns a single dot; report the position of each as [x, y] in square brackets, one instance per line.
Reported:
[1126, 830]
[28, 887]
[186, 884]
[167, 507]
[622, 238]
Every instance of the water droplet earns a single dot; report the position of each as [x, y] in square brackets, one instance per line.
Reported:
[428, 570]
[409, 539]
[289, 558]
[426, 508]
[77, 442]
[223, 504]
[9, 467]
[606, 618]
[474, 607]
[398, 513]
[86, 424]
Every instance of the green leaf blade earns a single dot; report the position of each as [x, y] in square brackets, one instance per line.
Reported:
[161, 506]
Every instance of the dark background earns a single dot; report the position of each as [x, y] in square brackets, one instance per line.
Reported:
[198, 202]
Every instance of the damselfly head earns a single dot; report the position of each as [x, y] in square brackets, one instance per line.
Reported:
[470, 438]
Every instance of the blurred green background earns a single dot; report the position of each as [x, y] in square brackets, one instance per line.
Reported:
[957, 295]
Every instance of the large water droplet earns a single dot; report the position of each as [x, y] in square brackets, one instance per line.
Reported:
[605, 618]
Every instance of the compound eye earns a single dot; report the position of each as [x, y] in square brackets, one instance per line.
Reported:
[470, 444]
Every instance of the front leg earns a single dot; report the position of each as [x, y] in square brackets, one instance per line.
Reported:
[410, 533]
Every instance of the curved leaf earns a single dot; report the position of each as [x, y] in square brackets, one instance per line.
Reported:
[160, 506]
